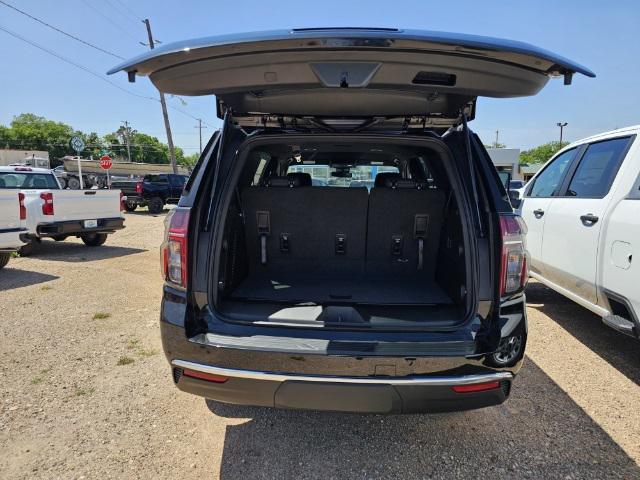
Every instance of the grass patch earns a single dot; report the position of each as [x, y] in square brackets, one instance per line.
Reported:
[125, 360]
[133, 343]
[147, 353]
[101, 315]
[15, 255]
[40, 378]
[84, 391]
[46, 287]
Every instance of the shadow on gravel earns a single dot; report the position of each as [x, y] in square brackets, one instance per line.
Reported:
[620, 351]
[11, 278]
[538, 433]
[79, 252]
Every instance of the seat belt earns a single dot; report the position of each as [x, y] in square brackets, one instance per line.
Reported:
[263, 221]
[420, 229]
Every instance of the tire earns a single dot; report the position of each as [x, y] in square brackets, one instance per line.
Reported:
[63, 183]
[130, 206]
[156, 205]
[73, 183]
[26, 249]
[4, 259]
[94, 239]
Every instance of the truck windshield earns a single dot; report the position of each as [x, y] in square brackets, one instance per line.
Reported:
[20, 180]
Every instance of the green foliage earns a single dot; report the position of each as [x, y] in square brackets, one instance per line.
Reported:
[31, 132]
[541, 154]
[190, 160]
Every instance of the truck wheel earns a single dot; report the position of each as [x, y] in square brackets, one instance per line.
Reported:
[4, 259]
[26, 249]
[94, 239]
[156, 205]
[63, 183]
[130, 206]
[73, 183]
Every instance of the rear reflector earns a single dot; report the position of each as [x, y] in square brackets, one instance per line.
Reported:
[209, 377]
[476, 387]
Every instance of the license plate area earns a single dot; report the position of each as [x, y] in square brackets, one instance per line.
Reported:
[90, 223]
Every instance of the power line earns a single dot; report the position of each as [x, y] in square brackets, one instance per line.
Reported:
[91, 72]
[134, 14]
[112, 22]
[122, 13]
[60, 31]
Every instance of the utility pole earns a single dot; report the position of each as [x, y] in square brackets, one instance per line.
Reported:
[496, 144]
[167, 126]
[126, 129]
[200, 127]
[561, 125]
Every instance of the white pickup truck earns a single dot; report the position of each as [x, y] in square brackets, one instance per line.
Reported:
[582, 211]
[52, 212]
[12, 212]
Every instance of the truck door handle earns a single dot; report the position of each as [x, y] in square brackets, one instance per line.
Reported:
[538, 213]
[588, 219]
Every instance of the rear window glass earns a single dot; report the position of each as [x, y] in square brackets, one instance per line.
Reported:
[328, 176]
[156, 179]
[597, 169]
[18, 180]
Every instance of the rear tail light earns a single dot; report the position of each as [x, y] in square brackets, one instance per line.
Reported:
[139, 188]
[174, 248]
[122, 209]
[47, 203]
[209, 377]
[513, 271]
[476, 387]
[23, 209]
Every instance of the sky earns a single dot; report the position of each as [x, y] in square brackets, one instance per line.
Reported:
[599, 35]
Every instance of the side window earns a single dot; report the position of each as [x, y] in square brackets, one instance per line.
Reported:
[597, 169]
[549, 179]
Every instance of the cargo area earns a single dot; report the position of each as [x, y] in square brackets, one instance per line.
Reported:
[348, 233]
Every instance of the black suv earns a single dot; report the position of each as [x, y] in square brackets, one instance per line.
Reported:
[345, 243]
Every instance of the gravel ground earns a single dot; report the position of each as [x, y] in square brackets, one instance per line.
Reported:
[87, 393]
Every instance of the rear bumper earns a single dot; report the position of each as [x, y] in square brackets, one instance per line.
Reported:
[345, 394]
[76, 227]
[11, 239]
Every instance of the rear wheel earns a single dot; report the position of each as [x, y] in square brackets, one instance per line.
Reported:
[4, 259]
[73, 183]
[156, 205]
[63, 182]
[130, 206]
[94, 239]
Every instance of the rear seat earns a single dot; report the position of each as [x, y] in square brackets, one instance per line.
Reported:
[403, 229]
[291, 226]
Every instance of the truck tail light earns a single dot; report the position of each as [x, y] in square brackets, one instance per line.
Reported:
[174, 248]
[139, 188]
[513, 268]
[23, 209]
[122, 209]
[47, 203]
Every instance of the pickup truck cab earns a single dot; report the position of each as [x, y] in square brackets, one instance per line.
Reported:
[55, 213]
[582, 211]
[12, 232]
[403, 297]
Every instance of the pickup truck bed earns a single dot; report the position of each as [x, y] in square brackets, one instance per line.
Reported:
[11, 229]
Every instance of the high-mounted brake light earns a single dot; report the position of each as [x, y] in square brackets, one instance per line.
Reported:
[47, 203]
[174, 248]
[22, 169]
[513, 265]
[23, 208]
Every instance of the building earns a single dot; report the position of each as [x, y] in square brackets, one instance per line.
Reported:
[33, 158]
[528, 171]
[506, 160]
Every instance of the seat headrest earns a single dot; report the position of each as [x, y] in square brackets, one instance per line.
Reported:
[385, 179]
[292, 180]
[300, 179]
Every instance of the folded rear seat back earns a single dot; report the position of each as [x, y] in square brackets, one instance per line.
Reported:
[403, 229]
[319, 230]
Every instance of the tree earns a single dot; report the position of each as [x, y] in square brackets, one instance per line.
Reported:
[189, 161]
[31, 132]
[541, 153]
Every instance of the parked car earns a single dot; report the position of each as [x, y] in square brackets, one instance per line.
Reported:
[153, 191]
[52, 212]
[405, 299]
[12, 213]
[583, 216]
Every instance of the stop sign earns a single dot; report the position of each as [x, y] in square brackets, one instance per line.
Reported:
[105, 162]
